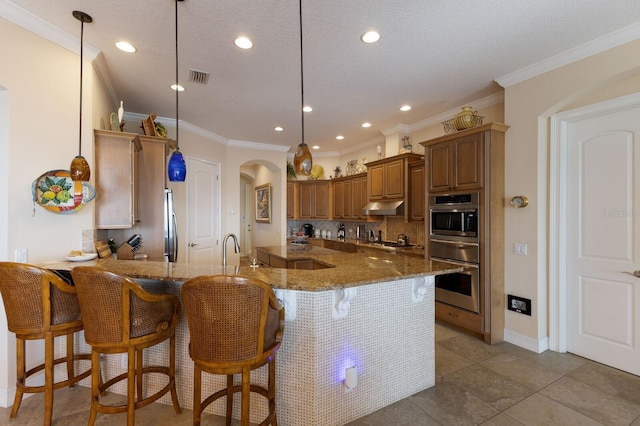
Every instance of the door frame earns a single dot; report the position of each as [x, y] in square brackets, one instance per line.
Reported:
[558, 208]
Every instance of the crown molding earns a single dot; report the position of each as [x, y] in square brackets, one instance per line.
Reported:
[258, 145]
[600, 44]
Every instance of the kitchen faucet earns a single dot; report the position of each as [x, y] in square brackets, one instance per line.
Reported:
[224, 247]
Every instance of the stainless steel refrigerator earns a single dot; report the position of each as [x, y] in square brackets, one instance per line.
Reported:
[170, 228]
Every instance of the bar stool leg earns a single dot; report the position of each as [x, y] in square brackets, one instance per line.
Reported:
[197, 394]
[131, 386]
[139, 368]
[70, 351]
[172, 374]
[20, 376]
[246, 394]
[96, 383]
[48, 378]
[229, 412]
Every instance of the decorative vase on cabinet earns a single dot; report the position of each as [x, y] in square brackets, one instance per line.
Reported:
[465, 119]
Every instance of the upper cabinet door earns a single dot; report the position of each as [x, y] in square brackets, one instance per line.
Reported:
[455, 164]
[116, 179]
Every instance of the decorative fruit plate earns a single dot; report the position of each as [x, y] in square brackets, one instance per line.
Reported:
[81, 258]
[56, 192]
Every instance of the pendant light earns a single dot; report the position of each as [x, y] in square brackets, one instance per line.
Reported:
[177, 169]
[302, 160]
[79, 169]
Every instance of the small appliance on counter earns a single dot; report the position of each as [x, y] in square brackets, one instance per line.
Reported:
[308, 230]
[403, 240]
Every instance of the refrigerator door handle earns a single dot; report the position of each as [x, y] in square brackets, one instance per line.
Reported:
[175, 236]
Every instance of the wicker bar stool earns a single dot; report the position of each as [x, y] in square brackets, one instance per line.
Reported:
[40, 305]
[121, 317]
[235, 326]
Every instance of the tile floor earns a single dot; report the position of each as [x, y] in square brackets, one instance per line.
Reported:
[475, 384]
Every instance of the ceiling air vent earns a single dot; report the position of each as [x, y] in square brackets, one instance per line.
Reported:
[198, 76]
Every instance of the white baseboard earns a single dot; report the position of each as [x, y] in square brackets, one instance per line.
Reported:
[6, 397]
[537, 346]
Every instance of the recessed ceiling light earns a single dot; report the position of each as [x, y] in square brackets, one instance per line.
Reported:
[177, 87]
[370, 37]
[366, 124]
[125, 47]
[243, 43]
[405, 107]
[278, 129]
[339, 137]
[315, 147]
[307, 109]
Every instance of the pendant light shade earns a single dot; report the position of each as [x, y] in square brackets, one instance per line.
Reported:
[177, 168]
[302, 160]
[79, 169]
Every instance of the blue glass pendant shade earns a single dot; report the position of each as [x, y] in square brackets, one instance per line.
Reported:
[177, 169]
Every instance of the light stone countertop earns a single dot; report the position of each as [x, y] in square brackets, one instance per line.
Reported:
[351, 269]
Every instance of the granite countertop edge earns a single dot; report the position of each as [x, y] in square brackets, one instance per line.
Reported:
[351, 269]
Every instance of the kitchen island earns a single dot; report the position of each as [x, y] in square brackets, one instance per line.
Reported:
[372, 310]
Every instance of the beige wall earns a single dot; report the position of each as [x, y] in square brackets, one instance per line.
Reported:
[41, 92]
[528, 106]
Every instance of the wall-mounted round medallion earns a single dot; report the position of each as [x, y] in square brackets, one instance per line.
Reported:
[519, 201]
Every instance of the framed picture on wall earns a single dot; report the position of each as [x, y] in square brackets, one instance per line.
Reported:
[263, 203]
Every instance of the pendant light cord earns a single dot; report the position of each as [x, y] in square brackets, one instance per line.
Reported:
[81, 61]
[177, 85]
[301, 76]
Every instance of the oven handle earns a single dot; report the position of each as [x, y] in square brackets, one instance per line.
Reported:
[460, 244]
[457, 262]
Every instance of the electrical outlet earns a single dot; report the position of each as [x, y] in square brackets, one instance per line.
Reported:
[519, 304]
[20, 255]
[520, 248]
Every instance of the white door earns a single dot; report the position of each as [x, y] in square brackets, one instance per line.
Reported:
[603, 238]
[204, 212]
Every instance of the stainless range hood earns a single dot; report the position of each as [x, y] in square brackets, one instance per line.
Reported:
[384, 208]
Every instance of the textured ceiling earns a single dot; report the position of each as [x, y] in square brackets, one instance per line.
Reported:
[433, 55]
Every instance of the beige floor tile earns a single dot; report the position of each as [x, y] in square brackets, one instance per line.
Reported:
[449, 362]
[444, 332]
[401, 413]
[502, 420]
[452, 405]
[497, 391]
[609, 380]
[473, 349]
[562, 363]
[592, 402]
[526, 373]
[539, 410]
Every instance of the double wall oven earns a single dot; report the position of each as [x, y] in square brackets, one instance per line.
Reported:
[454, 237]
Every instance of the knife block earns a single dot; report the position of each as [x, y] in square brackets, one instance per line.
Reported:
[125, 252]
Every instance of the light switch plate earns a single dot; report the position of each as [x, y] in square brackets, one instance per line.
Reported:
[20, 255]
[520, 248]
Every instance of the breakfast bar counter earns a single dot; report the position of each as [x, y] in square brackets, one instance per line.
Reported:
[349, 269]
[371, 310]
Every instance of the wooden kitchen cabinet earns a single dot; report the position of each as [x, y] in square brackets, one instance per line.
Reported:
[350, 196]
[387, 179]
[342, 198]
[315, 199]
[455, 164]
[360, 197]
[116, 179]
[473, 160]
[292, 200]
[416, 192]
